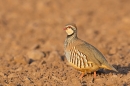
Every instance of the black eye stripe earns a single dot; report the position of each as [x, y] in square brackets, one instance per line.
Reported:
[69, 27]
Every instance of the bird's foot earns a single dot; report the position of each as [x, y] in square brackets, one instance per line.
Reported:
[81, 76]
[94, 77]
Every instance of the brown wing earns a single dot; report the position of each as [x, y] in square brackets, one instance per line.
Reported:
[92, 53]
[94, 56]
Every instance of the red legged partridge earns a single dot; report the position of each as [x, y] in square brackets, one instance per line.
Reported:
[82, 55]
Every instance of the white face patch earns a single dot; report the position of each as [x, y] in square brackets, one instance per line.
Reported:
[69, 31]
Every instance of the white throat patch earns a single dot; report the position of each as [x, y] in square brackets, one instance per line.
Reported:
[69, 31]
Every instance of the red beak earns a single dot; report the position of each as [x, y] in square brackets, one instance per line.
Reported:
[64, 28]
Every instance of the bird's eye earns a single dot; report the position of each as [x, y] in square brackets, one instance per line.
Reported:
[69, 27]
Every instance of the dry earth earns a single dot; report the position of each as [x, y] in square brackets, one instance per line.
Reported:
[32, 37]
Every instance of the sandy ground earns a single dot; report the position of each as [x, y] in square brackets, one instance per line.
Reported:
[32, 41]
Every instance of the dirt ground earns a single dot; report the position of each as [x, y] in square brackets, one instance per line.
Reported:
[32, 41]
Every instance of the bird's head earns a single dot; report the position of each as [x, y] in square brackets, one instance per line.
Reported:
[70, 29]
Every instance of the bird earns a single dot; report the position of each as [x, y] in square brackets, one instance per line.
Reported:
[83, 56]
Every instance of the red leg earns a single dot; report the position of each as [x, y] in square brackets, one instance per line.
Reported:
[81, 76]
[94, 75]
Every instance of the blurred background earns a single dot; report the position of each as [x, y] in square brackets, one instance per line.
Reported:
[31, 27]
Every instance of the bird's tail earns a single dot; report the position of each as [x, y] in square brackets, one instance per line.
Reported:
[109, 67]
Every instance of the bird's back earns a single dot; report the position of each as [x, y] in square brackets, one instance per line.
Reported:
[87, 54]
